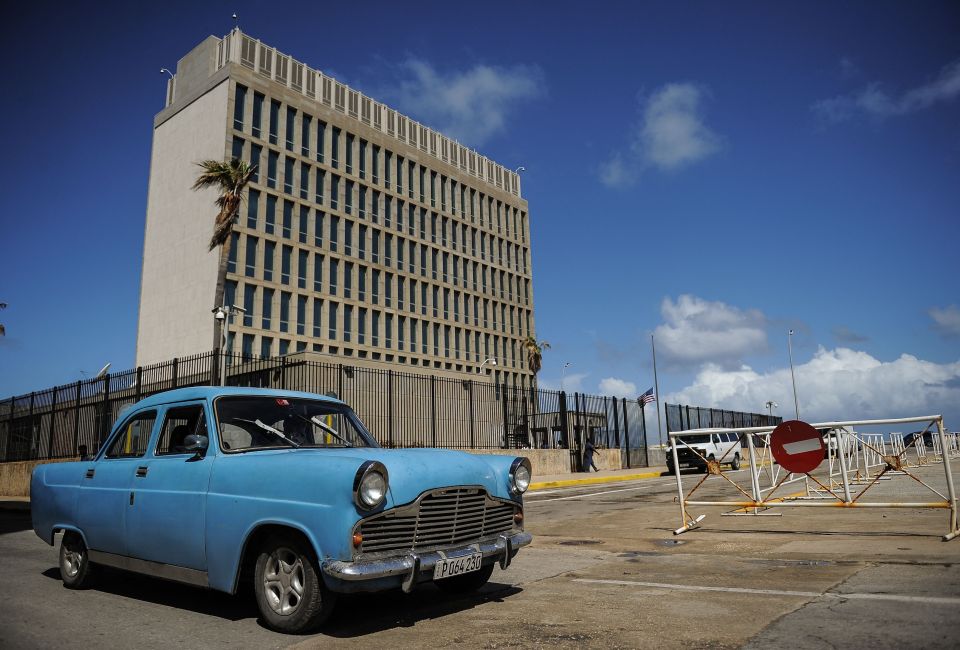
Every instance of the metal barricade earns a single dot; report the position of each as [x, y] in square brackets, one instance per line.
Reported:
[860, 460]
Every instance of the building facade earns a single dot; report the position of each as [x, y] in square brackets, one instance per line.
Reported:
[364, 237]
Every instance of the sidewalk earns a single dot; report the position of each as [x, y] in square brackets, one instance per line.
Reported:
[594, 478]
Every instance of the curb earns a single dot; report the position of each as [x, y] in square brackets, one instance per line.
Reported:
[597, 480]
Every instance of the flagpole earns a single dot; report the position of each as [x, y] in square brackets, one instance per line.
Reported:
[656, 387]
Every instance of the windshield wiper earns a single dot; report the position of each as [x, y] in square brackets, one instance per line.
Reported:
[325, 427]
[267, 427]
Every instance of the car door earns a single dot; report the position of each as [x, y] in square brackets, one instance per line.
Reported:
[105, 490]
[167, 518]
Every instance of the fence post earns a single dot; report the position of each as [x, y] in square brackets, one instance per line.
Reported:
[564, 428]
[173, 378]
[503, 398]
[30, 423]
[643, 429]
[616, 425]
[283, 373]
[76, 421]
[104, 420]
[6, 451]
[139, 382]
[53, 423]
[526, 420]
[214, 366]
[626, 429]
[472, 423]
[390, 408]
[339, 380]
[433, 410]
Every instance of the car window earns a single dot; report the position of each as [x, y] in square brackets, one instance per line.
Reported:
[133, 437]
[179, 423]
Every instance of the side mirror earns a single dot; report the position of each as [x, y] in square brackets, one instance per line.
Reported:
[196, 443]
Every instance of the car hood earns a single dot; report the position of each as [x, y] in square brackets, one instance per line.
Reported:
[413, 471]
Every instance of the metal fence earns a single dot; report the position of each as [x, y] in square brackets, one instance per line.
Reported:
[681, 418]
[400, 409]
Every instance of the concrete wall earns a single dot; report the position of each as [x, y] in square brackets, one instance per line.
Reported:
[178, 281]
[547, 462]
[15, 477]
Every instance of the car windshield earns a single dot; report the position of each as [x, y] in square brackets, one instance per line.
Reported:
[696, 439]
[261, 422]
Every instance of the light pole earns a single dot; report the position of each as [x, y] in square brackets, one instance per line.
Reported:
[563, 374]
[162, 70]
[224, 314]
[796, 404]
[492, 361]
[772, 405]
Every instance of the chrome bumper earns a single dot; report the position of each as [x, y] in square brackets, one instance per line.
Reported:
[413, 565]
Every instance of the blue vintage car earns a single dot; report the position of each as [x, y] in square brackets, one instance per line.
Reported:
[216, 486]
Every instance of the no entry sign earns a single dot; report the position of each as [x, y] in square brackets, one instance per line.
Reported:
[797, 446]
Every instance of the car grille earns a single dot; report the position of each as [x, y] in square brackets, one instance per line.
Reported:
[444, 517]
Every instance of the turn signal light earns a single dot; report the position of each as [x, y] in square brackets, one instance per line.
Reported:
[357, 540]
[518, 517]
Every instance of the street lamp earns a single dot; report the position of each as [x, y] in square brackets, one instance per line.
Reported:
[162, 70]
[796, 404]
[224, 314]
[563, 372]
[492, 361]
[772, 405]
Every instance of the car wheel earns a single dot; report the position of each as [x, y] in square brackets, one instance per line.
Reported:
[76, 570]
[735, 465]
[290, 593]
[467, 582]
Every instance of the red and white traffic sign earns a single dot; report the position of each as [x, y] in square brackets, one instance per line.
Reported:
[797, 446]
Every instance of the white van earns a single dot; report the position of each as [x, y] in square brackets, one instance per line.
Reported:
[710, 446]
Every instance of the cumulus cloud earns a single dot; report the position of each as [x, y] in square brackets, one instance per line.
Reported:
[946, 320]
[572, 382]
[875, 102]
[469, 105]
[671, 134]
[618, 387]
[837, 384]
[697, 331]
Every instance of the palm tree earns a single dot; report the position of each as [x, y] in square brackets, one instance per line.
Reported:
[229, 178]
[535, 350]
[3, 330]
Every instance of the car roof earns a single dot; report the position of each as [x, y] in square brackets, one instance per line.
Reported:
[213, 392]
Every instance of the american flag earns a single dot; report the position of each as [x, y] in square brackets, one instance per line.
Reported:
[647, 397]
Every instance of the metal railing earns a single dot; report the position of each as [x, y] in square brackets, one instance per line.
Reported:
[401, 409]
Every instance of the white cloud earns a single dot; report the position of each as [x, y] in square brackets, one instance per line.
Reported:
[697, 330]
[671, 134]
[469, 105]
[837, 384]
[572, 382]
[875, 102]
[618, 387]
[946, 320]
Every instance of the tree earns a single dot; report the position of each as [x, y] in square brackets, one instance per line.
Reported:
[535, 350]
[229, 178]
[3, 330]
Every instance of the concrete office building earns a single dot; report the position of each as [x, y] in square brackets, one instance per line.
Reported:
[365, 237]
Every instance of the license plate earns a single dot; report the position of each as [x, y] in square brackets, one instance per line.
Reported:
[457, 566]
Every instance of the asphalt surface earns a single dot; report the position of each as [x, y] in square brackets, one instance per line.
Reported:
[605, 571]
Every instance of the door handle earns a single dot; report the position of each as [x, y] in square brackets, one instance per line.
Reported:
[141, 471]
[90, 473]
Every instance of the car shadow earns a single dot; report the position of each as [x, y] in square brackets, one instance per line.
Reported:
[14, 521]
[357, 615]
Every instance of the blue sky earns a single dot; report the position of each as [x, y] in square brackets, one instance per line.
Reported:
[712, 173]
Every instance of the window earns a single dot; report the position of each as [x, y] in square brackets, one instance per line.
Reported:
[253, 207]
[272, 159]
[347, 279]
[363, 158]
[284, 346]
[334, 191]
[388, 333]
[387, 161]
[302, 269]
[375, 284]
[361, 283]
[363, 201]
[237, 151]
[251, 258]
[361, 325]
[400, 175]
[387, 289]
[334, 227]
[347, 325]
[375, 164]
[266, 310]
[433, 188]
[348, 197]
[321, 135]
[249, 298]
[255, 152]
[375, 329]
[349, 148]
[304, 181]
[424, 331]
[274, 120]
[335, 148]
[375, 246]
[268, 249]
[287, 219]
[334, 276]
[411, 170]
[239, 99]
[284, 311]
[317, 316]
[301, 315]
[266, 345]
[318, 228]
[133, 437]
[305, 134]
[332, 321]
[318, 272]
[232, 258]
[304, 223]
[362, 243]
[285, 264]
[321, 181]
[291, 121]
[257, 114]
[288, 175]
[246, 349]
[423, 183]
[271, 215]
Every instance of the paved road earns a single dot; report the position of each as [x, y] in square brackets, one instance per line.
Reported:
[605, 571]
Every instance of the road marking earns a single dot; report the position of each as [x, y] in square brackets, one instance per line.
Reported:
[930, 600]
[592, 494]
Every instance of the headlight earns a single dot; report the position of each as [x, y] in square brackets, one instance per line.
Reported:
[370, 485]
[520, 475]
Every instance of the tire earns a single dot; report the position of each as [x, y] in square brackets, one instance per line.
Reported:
[466, 583]
[290, 593]
[735, 465]
[76, 570]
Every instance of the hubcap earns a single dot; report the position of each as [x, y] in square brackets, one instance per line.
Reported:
[283, 580]
[72, 559]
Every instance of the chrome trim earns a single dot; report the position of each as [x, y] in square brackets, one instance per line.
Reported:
[517, 462]
[365, 468]
[413, 565]
[157, 569]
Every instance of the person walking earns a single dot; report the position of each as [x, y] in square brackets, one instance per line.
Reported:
[588, 453]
